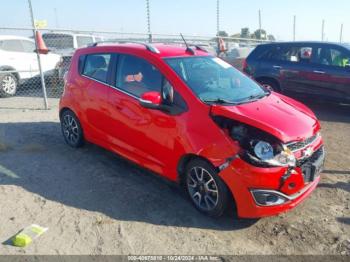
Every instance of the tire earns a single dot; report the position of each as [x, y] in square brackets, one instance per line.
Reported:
[8, 84]
[71, 129]
[270, 84]
[207, 192]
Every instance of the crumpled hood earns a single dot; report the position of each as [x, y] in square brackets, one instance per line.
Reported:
[281, 116]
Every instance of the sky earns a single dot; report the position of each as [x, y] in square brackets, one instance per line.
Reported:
[190, 17]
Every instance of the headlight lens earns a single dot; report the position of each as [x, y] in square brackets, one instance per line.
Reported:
[264, 152]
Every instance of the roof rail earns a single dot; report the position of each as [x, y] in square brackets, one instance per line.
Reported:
[148, 46]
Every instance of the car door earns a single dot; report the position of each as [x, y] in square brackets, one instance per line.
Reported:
[93, 85]
[146, 136]
[332, 72]
[31, 56]
[17, 58]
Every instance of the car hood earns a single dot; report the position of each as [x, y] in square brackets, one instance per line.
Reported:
[281, 116]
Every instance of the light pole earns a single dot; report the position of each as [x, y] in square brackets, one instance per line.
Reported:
[217, 17]
[341, 33]
[322, 34]
[148, 22]
[294, 22]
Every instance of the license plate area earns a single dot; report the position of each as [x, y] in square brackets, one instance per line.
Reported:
[314, 166]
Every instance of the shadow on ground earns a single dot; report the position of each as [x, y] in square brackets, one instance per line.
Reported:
[94, 179]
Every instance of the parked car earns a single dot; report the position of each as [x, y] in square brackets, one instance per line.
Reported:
[314, 69]
[65, 44]
[196, 120]
[18, 62]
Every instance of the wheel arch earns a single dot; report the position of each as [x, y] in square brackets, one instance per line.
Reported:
[269, 78]
[10, 68]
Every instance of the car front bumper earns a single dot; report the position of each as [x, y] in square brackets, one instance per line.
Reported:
[248, 183]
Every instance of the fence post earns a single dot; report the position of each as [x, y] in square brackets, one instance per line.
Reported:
[46, 105]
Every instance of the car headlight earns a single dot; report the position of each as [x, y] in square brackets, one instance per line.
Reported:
[265, 153]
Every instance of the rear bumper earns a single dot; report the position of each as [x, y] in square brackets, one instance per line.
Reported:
[243, 179]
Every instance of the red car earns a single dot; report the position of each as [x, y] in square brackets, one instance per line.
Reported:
[196, 120]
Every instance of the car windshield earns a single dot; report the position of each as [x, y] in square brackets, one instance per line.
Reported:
[215, 81]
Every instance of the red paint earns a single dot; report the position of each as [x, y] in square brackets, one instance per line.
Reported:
[158, 141]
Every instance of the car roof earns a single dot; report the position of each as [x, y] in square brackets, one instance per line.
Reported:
[161, 49]
[305, 42]
[14, 37]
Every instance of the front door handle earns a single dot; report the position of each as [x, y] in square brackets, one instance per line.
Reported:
[319, 72]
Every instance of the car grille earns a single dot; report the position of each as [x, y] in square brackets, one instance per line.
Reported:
[306, 165]
[313, 158]
[295, 146]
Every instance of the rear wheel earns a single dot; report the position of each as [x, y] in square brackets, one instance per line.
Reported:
[270, 85]
[205, 188]
[71, 129]
[8, 84]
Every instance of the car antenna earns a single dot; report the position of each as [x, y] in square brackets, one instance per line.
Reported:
[188, 49]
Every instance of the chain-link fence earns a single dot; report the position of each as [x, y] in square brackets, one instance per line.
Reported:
[20, 79]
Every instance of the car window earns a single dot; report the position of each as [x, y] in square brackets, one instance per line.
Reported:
[84, 40]
[295, 54]
[137, 76]
[12, 45]
[58, 41]
[96, 66]
[28, 46]
[332, 57]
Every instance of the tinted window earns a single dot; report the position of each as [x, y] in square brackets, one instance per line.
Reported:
[58, 41]
[12, 45]
[137, 76]
[332, 57]
[96, 66]
[84, 40]
[290, 53]
[28, 46]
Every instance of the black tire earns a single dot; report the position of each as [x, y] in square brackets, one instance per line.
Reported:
[211, 208]
[270, 84]
[71, 129]
[8, 84]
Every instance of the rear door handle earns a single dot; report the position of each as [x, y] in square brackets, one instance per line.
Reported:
[319, 72]
[277, 67]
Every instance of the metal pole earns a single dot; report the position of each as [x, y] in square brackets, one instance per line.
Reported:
[46, 105]
[322, 36]
[148, 22]
[56, 18]
[341, 33]
[259, 23]
[217, 17]
[294, 22]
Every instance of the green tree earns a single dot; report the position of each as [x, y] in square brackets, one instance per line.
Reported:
[245, 33]
[271, 38]
[222, 34]
[260, 34]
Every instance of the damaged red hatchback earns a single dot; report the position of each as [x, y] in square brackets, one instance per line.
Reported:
[194, 119]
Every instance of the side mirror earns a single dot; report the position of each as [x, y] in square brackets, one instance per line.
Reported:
[151, 100]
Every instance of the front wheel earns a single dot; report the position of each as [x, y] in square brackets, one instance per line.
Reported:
[8, 84]
[71, 129]
[205, 188]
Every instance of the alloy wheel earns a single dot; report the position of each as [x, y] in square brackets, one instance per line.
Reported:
[8, 84]
[202, 188]
[70, 129]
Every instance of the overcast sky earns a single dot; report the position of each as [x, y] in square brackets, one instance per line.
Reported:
[197, 17]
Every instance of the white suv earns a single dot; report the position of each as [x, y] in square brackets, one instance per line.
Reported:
[18, 62]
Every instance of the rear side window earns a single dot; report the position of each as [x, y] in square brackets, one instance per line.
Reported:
[58, 41]
[84, 40]
[96, 66]
[28, 46]
[137, 76]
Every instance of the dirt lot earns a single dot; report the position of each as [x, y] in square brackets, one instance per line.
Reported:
[94, 202]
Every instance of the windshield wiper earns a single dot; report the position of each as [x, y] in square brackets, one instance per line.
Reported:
[254, 98]
[219, 101]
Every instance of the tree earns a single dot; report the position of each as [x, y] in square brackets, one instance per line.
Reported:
[260, 34]
[222, 34]
[245, 33]
[271, 38]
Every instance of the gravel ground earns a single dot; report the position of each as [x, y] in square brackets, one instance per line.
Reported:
[95, 202]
